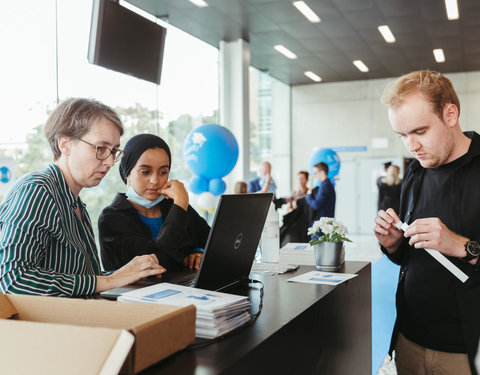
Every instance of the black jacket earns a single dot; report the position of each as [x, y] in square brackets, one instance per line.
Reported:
[389, 196]
[467, 223]
[123, 235]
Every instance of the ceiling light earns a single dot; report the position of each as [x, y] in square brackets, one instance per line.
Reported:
[306, 11]
[199, 3]
[284, 51]
[313, 76]
[386, 33]
[452, 9]
[439, 56]
[360, 66]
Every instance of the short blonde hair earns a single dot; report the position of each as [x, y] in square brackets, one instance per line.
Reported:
[74, 117]
[437, 88]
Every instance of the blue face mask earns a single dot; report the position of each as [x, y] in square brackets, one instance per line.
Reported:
[142, 201]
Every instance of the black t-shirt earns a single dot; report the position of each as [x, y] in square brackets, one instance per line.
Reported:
[430, 316]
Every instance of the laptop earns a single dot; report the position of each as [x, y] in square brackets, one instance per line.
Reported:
[230, 248]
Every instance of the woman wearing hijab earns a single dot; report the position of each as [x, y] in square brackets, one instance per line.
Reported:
[47, 245]
[154, 215]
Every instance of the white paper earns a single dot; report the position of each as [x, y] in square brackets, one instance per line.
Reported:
[217, 313]
[297, 253]
[440, 258]
[272, 268]
[171, 294]
[321, 277]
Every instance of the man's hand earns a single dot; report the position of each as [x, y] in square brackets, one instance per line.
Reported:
[431, 233]
[192, 261]
[385, 230]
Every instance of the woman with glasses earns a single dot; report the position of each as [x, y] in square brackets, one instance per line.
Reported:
[47, 246]
[154, 216]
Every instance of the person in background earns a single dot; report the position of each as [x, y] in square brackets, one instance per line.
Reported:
[47, 246]
[322, 198]
[154, 216]
[385, 168]
[298, 218]
[264, 182]
[240, 187]
[300, 192]
[389, 189]
[436, 329]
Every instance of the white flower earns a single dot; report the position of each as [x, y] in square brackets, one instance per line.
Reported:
[323, 221]
[342, 229]
[312, 230]
[328, 229]
[332, 230]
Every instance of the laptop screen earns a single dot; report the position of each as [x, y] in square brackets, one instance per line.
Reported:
[233, 239]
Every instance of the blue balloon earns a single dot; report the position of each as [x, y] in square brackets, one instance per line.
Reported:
[329, 157]
[217, 186]
[198, 184]
[210, 151]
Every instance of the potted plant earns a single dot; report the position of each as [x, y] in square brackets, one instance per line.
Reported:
[327, 238]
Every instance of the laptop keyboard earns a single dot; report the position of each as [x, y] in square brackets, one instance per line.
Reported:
[188, 280]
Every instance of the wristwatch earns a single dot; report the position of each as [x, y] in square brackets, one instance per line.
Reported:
[473, 250]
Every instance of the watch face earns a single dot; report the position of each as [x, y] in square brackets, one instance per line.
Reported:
[473, 248]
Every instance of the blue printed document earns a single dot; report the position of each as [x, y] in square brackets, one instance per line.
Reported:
[217, 313]
[321, 277]
[206, 301]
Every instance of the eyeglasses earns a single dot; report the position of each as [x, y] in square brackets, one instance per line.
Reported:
[104, 152]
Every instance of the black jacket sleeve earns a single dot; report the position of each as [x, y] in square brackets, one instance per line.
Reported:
[123, 236]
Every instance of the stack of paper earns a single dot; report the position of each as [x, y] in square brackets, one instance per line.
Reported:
[272, 268]
[217, 313]
[297, 253]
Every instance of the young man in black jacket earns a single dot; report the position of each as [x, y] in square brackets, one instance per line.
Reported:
[438, 324]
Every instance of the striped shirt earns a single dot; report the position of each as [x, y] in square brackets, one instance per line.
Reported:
[45, 248]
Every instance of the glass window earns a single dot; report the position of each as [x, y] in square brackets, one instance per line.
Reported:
[31, 82]
[27, 76]
[270, 128]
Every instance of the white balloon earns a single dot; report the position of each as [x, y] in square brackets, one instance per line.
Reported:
[207, 200]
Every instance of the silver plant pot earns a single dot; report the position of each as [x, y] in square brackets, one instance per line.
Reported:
[329, 256]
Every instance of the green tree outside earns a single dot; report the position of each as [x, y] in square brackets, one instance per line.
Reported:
[136, 119]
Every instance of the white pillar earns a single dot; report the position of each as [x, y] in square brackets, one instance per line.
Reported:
[234, 105]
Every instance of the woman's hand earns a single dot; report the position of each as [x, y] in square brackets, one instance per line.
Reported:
[175, 190]
[193, 261]
[138, 268]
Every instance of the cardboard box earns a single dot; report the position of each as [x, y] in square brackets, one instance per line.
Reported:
[51, 335]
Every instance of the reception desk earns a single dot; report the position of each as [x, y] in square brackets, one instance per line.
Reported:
[302, 329]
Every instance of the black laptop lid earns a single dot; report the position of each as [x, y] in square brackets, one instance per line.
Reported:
[233, 240]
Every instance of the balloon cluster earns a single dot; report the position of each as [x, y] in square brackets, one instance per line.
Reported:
[329, 157]
[211, 152]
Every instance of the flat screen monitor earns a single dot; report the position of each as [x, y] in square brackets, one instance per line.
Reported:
[126, 42]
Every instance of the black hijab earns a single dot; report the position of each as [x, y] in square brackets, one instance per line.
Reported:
[135, 147]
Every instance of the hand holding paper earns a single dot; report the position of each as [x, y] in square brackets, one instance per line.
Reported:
[439, 257]
[386, 232]
[432, 233]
